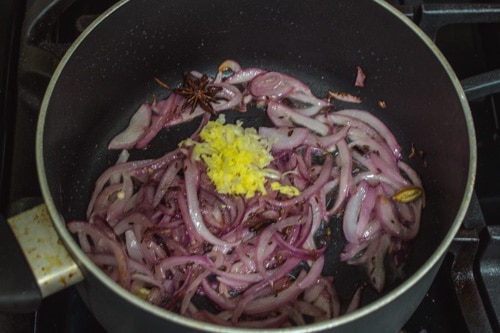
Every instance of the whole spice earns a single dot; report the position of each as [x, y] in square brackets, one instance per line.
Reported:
[407, 194]
[198, 92]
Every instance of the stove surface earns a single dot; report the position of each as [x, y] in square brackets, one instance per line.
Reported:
[470, 47]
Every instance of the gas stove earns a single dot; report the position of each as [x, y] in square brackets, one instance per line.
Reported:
[463, 297]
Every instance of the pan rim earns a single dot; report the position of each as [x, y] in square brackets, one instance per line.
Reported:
[404, 287]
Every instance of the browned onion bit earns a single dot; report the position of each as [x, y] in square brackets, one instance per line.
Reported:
[412, 151]
[161, 83]
[382, 104]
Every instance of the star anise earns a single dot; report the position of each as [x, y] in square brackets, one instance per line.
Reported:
[198, 92]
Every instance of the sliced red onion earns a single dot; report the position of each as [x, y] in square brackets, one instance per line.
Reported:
[167, 113]
[243, 76]
[375, 266]
[191, 174]
[392, 223]
[356, 300]
[378, 125]
[287, 138]
[345, 164]
[344, 97]
[353, 250]
[135, 130]
[107, 245]
[312, 276]
[166, 180]
[133, 249]
[285, 114]
[314, 188]
[230, 97]
[352, 211]
[365, 213]
[313, 104]
[328, 142]
[275, 301]
[159, 225]
[271, 85]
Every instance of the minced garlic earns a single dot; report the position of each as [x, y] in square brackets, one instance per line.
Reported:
[237, 159]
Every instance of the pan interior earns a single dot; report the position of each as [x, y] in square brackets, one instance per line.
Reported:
[111, 73]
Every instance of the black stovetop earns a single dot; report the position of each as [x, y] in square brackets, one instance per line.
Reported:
[470, 47]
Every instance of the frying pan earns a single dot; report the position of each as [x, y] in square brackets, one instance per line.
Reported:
[108, 72]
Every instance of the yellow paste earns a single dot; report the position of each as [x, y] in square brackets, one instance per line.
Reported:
[237, 159]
